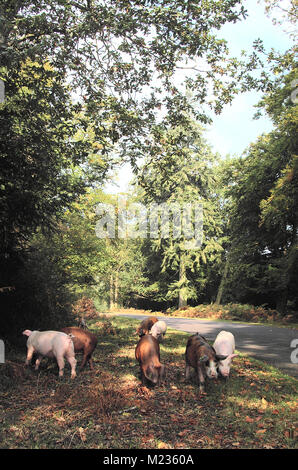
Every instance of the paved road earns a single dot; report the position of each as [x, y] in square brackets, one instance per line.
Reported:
[267, 343]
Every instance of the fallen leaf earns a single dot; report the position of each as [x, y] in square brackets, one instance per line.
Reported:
[82, 434]
[260, 425]
[249, 420]
[264, 403]
[183, 433]
[261, 431]
[162, 445]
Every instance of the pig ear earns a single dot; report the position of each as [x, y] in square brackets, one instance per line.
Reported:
[219, 357]
[204, 359]
[27, 332]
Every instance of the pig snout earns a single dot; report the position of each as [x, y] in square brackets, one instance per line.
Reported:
[211, 372]
[224, 370]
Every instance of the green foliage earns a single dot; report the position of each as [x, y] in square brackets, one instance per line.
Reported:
[38, 152]
[40, 297]
[263, 210]
[121, 57]
[91, 84]
[234, 312]
[180, 170]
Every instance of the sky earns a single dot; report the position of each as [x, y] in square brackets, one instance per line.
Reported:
[234, 129]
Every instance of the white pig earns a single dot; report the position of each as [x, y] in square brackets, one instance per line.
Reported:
[158, 330]
[225, 344]
[51, 344]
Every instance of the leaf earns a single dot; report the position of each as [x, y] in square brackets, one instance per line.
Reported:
[249, 420]
[261, 431]
[183, 433]
[162, 445]
[264, 403]
[82, 434]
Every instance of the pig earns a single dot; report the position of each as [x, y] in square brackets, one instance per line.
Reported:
[51, 344]
[203, 358]
[158, 330]
[84, 341]
[146, 326]
[148, 355]
[225, 344]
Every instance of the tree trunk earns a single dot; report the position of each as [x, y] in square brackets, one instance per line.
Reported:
[182, 302]
[222, 283]
[281, 303]
[111, 292]
[116, 289]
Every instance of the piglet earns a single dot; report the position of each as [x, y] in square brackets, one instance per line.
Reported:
[158, 330]
[203, 358]
[83, 341]
[51, 344]
[146, 326]
[225, 344]
[148, 355]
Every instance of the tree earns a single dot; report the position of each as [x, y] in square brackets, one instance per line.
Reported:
[180, 171]
[120, 57]
[263, 215]
[109, 269]
[37, 152]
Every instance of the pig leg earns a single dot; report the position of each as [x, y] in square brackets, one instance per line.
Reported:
[201, 378]
[60, 361]
[37, 362]
[91, 363]
[85, 358]
[143, 377]
[187, 371]
[72, 362]
[161, 374]
[30, 352]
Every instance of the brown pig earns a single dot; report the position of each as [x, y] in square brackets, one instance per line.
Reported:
[148, 355]
[146, 326]
[84, 341]
[203, 358]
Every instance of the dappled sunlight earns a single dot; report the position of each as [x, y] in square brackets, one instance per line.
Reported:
[109, 408]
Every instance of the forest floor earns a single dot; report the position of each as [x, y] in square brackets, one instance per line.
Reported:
[107, 408]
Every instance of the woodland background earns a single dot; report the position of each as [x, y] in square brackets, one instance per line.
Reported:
[91, 85]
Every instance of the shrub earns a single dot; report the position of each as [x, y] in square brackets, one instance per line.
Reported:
[235, 312]
[105, 326]
[85, 308]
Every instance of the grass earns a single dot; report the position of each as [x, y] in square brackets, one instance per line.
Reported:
[109, 409]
